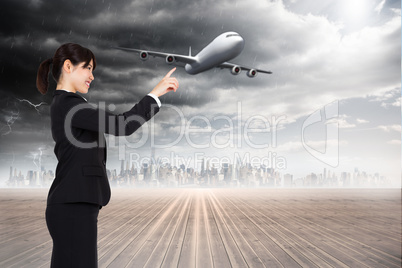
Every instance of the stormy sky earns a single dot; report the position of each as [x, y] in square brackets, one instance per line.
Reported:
[333, 100]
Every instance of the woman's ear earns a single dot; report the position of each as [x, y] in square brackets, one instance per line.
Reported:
[67, 66]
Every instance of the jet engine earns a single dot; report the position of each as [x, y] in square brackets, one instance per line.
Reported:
[252, 73]
[169, 59]
[235, 70]
[144, 55]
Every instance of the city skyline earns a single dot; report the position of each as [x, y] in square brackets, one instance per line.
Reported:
[157, 173]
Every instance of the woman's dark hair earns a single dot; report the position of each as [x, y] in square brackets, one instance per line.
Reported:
[73, 52]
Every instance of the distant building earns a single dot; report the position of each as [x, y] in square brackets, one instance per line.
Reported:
[287, 180]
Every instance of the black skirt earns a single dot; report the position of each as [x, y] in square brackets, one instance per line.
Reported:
[73, 228]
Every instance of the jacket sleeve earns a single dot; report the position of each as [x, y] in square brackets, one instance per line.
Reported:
[82, 115]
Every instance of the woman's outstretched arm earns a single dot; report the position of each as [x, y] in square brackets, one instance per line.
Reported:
[83, 115]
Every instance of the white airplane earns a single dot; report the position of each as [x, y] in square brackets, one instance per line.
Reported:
[223, 48]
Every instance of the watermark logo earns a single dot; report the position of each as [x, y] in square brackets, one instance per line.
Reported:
[269, 160]
[327, 115]
[236, 129]
[257, 131]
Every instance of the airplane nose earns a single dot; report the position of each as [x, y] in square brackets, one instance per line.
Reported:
[239, 43]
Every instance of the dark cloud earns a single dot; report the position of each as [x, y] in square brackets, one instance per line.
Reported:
[40, 27]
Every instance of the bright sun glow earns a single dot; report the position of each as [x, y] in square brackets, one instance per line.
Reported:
[354, 12]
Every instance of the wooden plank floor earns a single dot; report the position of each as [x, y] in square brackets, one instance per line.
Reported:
[219, 228]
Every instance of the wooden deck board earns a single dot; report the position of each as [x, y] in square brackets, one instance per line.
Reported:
[159, 250]
[254, 237]
[336, 229]
[219, 228]
[187, 257]
[271, 231]
[304, 244]
[220, 256]
[247, 251]
[235, 256]
[173, 251]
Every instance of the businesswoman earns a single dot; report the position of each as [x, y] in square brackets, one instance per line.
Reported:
[81, 186]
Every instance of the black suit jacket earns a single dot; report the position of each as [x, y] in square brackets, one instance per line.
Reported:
[78, 130]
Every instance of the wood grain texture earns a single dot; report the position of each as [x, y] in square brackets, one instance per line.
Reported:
[219, 228]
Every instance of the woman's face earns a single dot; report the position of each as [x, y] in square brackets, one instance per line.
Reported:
[81, 77]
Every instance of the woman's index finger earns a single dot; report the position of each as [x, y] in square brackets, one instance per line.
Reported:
[170, 72]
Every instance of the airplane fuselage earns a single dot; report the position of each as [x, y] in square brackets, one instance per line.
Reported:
[223, 48]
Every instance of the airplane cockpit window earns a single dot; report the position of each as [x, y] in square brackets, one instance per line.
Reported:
[229, 35]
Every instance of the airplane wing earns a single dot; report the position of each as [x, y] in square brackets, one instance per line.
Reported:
[170, 58]
[229, 65]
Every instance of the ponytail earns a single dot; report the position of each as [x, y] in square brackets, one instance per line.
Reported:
[42, 79]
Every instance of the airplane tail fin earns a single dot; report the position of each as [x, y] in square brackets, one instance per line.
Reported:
[189, 51]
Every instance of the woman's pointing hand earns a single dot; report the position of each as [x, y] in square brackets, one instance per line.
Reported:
[166, 84]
